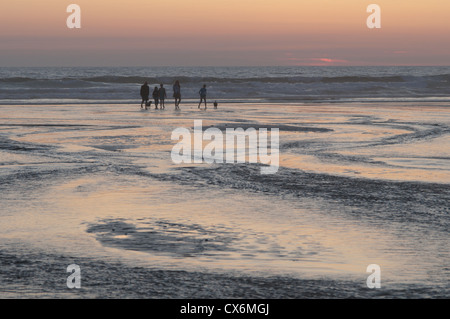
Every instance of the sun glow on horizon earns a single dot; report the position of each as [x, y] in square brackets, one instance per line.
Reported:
[235, 32]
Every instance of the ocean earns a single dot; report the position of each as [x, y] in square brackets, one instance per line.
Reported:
[87, 178]
[226, 84]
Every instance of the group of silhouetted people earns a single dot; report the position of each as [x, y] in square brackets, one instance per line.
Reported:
[159, 95]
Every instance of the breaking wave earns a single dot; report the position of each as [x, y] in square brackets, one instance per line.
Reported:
[121, 85]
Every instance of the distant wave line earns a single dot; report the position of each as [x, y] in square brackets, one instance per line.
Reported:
[196, 79]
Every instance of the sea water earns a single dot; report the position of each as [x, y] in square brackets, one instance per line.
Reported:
[310, 84]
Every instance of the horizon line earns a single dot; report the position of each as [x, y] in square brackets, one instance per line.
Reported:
[224, 66]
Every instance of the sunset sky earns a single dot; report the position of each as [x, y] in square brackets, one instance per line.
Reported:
[224, 32]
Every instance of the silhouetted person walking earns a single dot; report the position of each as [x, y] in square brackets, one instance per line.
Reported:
[202, 93]
[155, 96]
[145, 92]
[177, 94]
[162, 96]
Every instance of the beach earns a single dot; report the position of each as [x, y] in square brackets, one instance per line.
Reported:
[217, 158]
[93, 184]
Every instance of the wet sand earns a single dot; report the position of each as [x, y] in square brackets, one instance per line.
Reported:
[95, 185]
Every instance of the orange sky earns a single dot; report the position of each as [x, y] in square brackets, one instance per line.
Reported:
[224, 32]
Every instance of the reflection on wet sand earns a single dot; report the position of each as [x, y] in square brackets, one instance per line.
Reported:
[357, 185]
